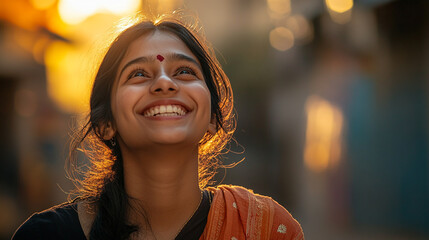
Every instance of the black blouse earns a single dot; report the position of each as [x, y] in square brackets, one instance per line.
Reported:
[62, 222]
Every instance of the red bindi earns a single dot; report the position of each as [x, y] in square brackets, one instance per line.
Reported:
[160, 58]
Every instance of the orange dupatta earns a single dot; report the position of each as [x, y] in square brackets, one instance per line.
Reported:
[237, 213]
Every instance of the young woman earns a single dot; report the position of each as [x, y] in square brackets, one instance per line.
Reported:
[160, 113]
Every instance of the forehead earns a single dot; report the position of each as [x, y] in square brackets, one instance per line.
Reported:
[156, 43]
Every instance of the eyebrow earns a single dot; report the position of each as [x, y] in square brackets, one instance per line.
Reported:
[180, 56]
[172, 56]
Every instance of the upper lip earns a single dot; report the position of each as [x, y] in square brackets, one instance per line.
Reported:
[165, 102]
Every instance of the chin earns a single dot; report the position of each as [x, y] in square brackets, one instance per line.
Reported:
[170, 138]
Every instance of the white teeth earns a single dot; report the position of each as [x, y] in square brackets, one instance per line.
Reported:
[165, 110]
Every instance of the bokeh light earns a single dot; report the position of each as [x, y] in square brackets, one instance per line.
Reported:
[340, 18]
[323, 136]
[279, 6]
[300, 27]
[281, 38]
[339, 6]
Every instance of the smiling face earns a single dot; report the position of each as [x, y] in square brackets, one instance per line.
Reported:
[159, 102]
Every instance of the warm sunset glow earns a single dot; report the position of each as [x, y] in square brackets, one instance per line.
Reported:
[68, 82]
[279, 6]
[76, 11]
[339, 6]
[281, 38]
[38, 49]
[70, 65]
[42, 4]
[323, 136]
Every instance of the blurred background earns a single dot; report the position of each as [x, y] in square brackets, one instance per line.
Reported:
[331, 99]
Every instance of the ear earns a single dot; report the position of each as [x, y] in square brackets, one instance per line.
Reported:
[212, 125]
[108, 131]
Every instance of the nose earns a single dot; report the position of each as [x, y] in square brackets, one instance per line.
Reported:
[163, 84]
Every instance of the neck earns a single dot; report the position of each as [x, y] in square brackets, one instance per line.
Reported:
[164, 182]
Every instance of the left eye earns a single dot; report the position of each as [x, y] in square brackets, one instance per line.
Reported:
[186, 71]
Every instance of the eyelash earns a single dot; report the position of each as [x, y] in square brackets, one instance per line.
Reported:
[186, 68]
[135, 71]
[180, 69]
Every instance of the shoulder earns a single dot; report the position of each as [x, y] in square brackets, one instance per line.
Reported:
[261, 209]
[53, 223]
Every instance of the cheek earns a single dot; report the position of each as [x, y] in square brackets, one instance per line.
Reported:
[123, 102]
[206, 104]
[202, 96]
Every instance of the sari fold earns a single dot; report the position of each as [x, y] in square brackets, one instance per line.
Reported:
[237, 213]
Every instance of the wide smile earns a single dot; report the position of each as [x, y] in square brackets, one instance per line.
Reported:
[165, 111]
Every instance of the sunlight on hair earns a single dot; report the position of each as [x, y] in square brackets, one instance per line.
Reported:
[323, 136]
[125, 23]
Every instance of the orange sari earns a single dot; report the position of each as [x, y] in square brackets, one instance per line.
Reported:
[237, 213]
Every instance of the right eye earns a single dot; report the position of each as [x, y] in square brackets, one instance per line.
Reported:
[137, 73]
